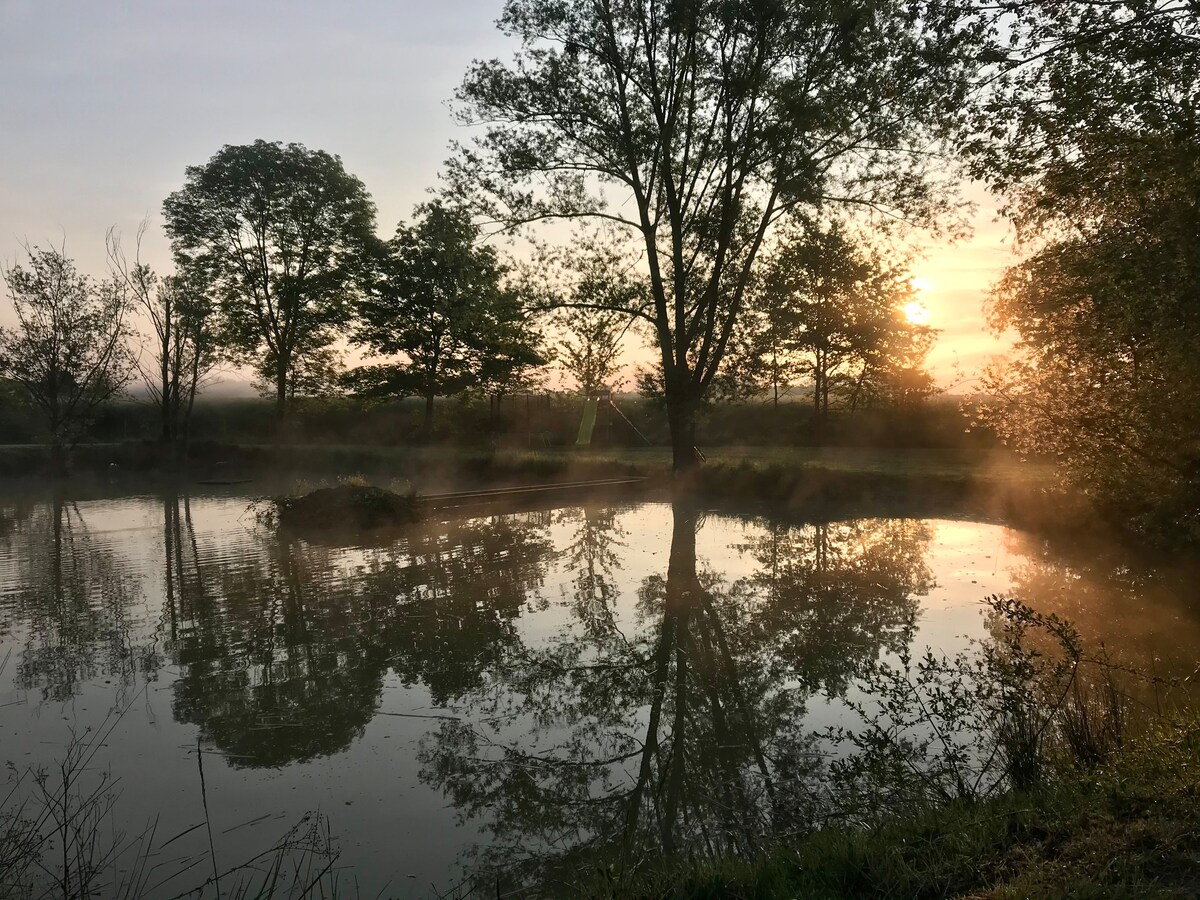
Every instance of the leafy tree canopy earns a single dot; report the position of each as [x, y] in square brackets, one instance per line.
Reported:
[1096, 141]
[442, 307]
[282, 235]
[691, 128]
[828, 311]
[68, 351]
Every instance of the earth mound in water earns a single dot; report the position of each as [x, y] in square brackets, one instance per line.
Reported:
[356, 506]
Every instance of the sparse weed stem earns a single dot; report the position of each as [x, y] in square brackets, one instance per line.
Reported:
[56, 840]
[1014, 712]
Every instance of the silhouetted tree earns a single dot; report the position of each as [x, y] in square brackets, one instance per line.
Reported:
[1094, 138]
[183, 340]
[828, 308]
[441, 306]
[316, 371]
[692, 128]
[68, 351]
[281, 236]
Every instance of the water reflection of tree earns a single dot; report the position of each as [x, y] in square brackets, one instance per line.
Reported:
[284, 653]
[685, 735]
[73, 601]
[1137, 611]
[593, 555]
[834, 594]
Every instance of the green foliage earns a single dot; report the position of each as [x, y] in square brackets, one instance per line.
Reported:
[68, 350]
[691, 129]
[442, 307]
[590, 346]
[280, 235]
[596, 295]
[314, 372]
[1126, 830]
[828, 309]
[1100, 159]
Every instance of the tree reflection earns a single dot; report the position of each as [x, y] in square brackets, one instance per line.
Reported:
[593, 555]
[284, 652]
[73, 604]
[833, 595]
[686, 734]
[1136, 611]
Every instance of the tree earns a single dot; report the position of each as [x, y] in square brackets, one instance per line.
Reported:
[1094, 142]
[68, 350]
[588, 288]
[828, 307]
[678, 726]
[281, 235]
[442, 307]
[709, 121]
[316, 371]
[589, 347]
[182, 340]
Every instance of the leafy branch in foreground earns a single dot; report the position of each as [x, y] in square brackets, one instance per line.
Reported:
[1006, 714]
[1093, 140]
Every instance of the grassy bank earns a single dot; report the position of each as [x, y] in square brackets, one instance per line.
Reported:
[1129, 828]
[809, 480]
[440, 463]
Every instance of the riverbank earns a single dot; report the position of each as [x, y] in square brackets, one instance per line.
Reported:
[1128, 828]
[979, 483]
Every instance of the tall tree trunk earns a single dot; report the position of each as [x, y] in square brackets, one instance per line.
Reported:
[681, 416]
[281, 396]
[165, 437]
[775, 376]
[818, 378]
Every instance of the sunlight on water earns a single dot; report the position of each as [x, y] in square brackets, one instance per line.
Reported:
[486, 692]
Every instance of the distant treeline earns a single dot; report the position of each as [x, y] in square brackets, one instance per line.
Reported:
[534, 420]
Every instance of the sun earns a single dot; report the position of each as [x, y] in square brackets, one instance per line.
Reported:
[916, 312]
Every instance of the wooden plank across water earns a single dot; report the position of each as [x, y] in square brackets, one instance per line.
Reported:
[526, 493]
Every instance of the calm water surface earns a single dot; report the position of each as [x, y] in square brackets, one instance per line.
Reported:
[499, 692]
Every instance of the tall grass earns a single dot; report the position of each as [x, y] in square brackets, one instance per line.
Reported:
[57, 840]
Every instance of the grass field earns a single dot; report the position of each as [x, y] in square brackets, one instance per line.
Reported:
[952, 463]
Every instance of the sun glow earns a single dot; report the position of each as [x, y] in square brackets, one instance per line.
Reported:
[916, 312]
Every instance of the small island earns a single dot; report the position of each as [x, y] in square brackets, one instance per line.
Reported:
[347, 506]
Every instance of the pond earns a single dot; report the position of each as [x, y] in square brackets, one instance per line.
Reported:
[498, 698]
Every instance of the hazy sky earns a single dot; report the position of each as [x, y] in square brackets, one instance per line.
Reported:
[104, 104]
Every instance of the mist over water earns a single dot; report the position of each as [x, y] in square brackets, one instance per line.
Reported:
[504, 693]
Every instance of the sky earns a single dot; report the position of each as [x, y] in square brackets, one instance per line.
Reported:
[105, 104]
